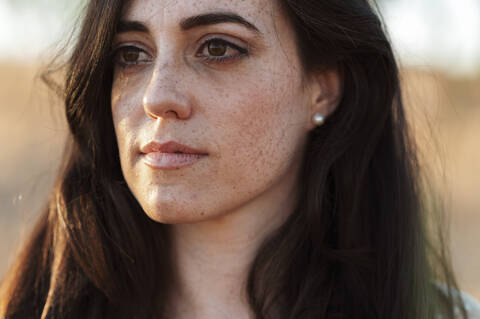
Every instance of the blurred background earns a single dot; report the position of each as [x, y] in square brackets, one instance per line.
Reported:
[438, 46]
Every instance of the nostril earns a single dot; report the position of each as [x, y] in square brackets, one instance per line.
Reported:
[174, 113]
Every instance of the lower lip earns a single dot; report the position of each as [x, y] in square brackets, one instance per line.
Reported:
[171, 160]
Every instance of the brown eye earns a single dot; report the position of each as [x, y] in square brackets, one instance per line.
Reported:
[130, 55]
[217, 48]
[219, 51]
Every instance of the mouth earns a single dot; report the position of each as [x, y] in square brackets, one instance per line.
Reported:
[170, 147]
[171, 161]
[170, 155]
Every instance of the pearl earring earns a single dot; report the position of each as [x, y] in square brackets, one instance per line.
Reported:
[318, 119]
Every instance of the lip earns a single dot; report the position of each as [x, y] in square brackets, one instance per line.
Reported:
[170, 147]
[170, 155]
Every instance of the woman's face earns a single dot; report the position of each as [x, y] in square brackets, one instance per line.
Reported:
[228, 88]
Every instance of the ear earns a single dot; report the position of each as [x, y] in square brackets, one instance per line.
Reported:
[326, 91]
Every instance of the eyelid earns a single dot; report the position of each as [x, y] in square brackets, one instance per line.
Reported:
[242, 50]
[229, 44]
[226, 38]
[133, 44]
[118, 58]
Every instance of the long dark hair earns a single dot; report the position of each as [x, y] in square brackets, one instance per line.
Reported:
[356, 245]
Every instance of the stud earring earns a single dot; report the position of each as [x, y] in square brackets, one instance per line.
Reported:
[318, 119]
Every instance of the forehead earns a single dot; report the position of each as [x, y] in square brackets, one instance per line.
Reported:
[162, 12]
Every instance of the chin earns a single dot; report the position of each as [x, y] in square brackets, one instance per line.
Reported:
[175, 214]
[172, 218]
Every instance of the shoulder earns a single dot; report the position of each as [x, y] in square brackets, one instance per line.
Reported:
[472, 306]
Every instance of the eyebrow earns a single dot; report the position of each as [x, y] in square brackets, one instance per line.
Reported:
[192, 22]
[131, 26]
[214, 18]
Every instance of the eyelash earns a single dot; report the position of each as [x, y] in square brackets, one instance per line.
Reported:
[206, 59]
[222, 59]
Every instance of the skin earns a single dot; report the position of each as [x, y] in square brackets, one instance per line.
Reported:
[251, 114]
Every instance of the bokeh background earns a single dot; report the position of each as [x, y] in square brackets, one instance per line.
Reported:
[438, 45]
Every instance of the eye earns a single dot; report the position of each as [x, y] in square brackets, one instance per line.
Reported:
[130, 55]
[217, 50]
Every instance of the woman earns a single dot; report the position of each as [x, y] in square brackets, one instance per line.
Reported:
[233, 159]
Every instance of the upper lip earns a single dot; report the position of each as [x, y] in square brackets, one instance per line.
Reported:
[170, 147]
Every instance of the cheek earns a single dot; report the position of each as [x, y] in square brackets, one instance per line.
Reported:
[126, 100]
[261, 129]
[127, 112]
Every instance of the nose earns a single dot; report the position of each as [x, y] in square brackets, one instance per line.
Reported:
[164, 96]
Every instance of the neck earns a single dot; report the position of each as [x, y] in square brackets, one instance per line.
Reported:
[212, 259]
